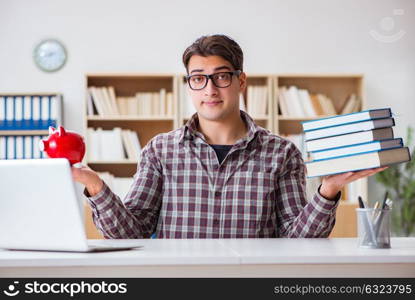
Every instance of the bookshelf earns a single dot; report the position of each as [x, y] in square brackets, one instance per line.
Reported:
[335, 86]
[24, 121]
[145, 125]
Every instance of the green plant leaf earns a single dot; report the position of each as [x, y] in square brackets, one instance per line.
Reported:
[400, 181]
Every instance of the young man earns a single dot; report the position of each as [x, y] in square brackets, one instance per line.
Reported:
[220, 175]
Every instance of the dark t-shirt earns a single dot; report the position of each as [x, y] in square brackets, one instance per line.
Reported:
[221, 151]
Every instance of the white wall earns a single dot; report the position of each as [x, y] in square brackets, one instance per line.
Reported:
[150, 36]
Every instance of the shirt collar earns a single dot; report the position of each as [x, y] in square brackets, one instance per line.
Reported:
[190, 130]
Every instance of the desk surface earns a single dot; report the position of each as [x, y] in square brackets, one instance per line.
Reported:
[338, 257]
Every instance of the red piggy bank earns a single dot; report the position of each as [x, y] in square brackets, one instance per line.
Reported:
[64, 144]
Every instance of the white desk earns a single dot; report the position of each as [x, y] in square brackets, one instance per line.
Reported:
[221, 258]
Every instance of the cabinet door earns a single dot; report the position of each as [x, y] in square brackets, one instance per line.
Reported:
[346, 222]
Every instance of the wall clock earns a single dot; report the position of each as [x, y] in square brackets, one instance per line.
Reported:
[50, 55]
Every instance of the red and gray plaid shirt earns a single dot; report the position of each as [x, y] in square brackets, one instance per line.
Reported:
[181, 191]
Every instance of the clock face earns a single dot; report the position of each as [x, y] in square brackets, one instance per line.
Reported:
[50, 55]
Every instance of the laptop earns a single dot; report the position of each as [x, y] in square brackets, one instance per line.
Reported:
[41, 210]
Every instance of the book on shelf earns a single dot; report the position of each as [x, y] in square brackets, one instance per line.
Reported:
[110, 92]
[20, 147]
[97, 100]
[257, 100]
[119, 185]
[186, 101]
[30, 112]
[327, 104]
[170, 107]
[339, 149]
[297, 102]
[112, 145]
[128, 145]
[305, 100]
[357, 162]
[348, 128]
[284, 108]
[352, 105]
[365, 115]
[292, 99]
[356, 149]
[350, 139]
[319, 107]
[104, 102]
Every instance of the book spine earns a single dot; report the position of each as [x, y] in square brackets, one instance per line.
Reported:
[29, 112]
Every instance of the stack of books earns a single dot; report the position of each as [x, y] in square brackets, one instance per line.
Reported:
[352, 142]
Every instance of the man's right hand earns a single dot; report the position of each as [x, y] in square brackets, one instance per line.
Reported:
[88, 178]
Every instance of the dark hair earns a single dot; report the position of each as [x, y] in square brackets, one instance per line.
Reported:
[217, 44]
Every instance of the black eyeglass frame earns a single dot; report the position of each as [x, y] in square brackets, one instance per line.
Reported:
[210, 76]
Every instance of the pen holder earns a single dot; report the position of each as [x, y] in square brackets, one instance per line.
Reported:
[373, 227]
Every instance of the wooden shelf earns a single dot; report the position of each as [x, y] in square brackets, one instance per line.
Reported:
[337, 87]
[334, 85]
[120, 162]
[301, 119]
[118, 169]
[28, 94]
[146, 129]
[131, 118]
[23, 132]
[129, 84]
[320, 75]
[146, 126]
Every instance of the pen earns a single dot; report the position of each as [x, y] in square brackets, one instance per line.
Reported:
[374, 210]
[361, 204]
[367, 224]
[378, 222]
[384, 200]
[388, 206]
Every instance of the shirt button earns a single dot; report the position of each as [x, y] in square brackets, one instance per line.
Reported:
[215, 222]
[217, 194]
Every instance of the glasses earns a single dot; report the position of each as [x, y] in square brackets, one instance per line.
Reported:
[220, 80]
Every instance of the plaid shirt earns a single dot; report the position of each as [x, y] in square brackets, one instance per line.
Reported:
[181, 191]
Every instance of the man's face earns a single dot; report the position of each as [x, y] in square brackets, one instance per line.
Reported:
[214, 103]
